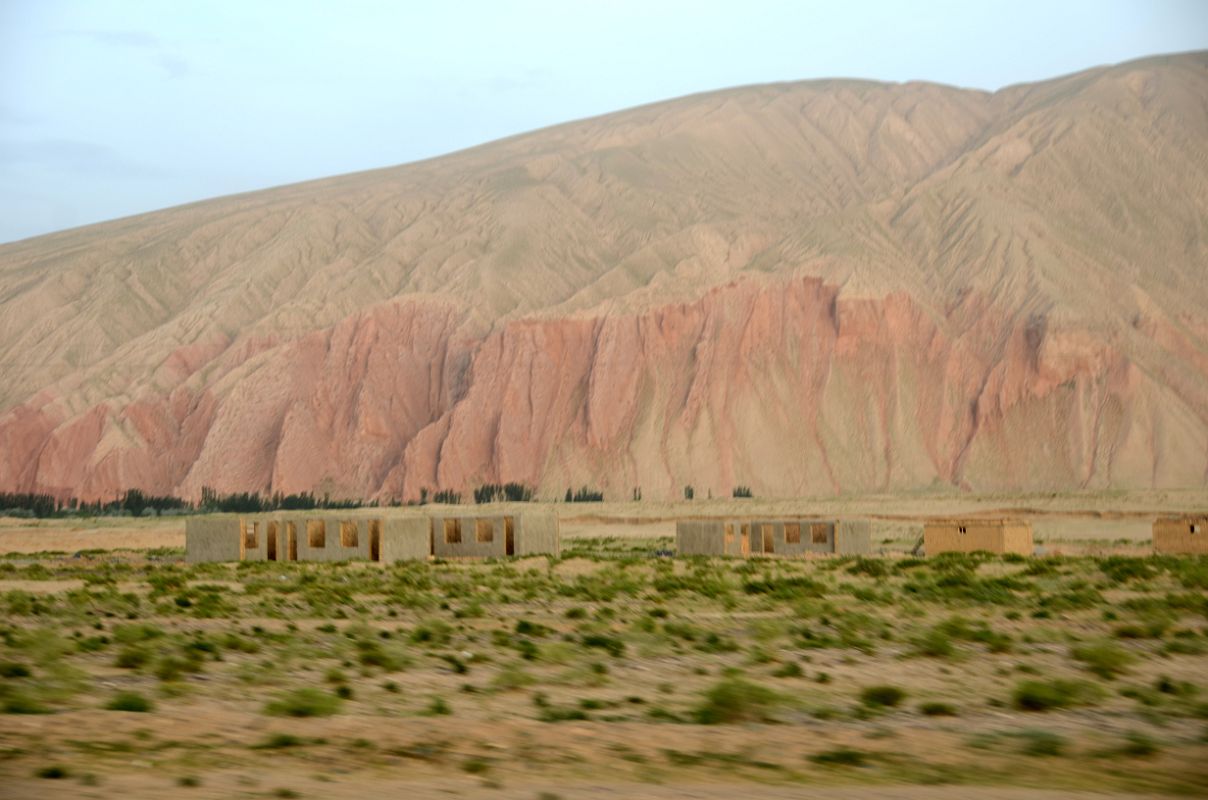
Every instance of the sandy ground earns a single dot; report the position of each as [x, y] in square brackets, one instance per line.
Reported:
[213, 730]
[256, 784]
[72, 536]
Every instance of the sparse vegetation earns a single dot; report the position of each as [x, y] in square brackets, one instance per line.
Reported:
[607, 634]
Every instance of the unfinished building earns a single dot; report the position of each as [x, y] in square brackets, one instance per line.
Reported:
[780, 537]
[972, 535]
[313, 537]
[1181, 535]
[459, 536]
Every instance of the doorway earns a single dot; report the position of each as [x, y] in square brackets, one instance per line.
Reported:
[768, 546]
[375, 540]
[291, 536]
[509, 537]
[270, 543]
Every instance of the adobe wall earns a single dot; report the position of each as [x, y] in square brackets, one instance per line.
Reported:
[853, 537]
[991, 536]
[211, 539]
[811, 536]
[1181, 535]
[469, 545]
[714, 537]
[1017, 538]
[537, 534]
[406, 539]
[699, 537]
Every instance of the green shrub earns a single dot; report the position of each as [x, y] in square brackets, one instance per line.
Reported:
[790, 669]
[882, 696]
[1042, 743]
[1105, 659]
[935, 643]
[840, 757]
[20, 702]
[614, 646]
[1138, 745]
[1050, 695]
[1167, 685]
[279, 741]
[132, 657]
[11, 669]
[129, 701]
[304, 702]
[736, 700]
[53, 773]
[935, 709]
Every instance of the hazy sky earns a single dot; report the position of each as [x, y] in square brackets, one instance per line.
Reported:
[112, 107]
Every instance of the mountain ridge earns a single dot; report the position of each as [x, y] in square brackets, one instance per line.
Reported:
[1070, 212]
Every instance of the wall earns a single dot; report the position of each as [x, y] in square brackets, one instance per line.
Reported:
[853, 537]
[537, 534]
[708, 537]
[406, 539]
[469, 546]
[211, 539]
[1017, 538]
[781, 546]
[697, 537]
[992, 536]
[1173, 535]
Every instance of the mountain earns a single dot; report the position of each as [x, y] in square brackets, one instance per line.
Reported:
[827, 286]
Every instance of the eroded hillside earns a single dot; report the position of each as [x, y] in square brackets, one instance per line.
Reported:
[810, 287]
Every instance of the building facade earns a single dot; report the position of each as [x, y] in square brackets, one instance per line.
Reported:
[782, 537]
[332, 537]
[972, 535]
[1181, 535]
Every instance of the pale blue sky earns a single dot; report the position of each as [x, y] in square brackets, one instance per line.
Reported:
[113, 107]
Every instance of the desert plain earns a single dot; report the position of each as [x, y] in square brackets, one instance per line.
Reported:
[615, 670]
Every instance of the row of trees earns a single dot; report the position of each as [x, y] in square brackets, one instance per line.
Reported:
[135, 502]
[690, 492]
[509, 492]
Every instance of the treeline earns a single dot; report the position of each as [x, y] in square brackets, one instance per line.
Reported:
[509, 492]
[584, 495]
[252, 502]
[132, 502]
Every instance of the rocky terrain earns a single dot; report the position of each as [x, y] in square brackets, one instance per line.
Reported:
[831, 286]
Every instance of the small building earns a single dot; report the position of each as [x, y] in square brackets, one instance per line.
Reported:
[781, 537]
[1186, 535]
[327, 537]
[972, 535]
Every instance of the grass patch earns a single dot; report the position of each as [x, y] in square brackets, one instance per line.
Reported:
[1105, 659]
[304, 702]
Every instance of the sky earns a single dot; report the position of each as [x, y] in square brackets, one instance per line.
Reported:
[115, 107]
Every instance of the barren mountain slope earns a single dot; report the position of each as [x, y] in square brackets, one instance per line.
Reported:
[824, 286]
